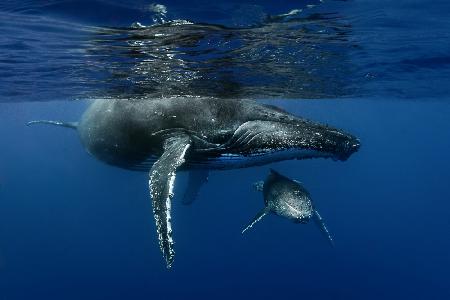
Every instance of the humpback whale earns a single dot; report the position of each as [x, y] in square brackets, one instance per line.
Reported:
[289, 199]
[163, 136]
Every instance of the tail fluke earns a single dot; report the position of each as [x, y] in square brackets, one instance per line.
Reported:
[323, 228]
[257, 218]
[72, 125]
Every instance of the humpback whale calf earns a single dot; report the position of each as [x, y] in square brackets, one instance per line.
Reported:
[162, 136]
[287, 198]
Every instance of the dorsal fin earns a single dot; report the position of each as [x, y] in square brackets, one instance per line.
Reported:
[276, 174]
[273, 171]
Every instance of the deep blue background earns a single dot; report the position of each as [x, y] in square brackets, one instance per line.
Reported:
[72, 227]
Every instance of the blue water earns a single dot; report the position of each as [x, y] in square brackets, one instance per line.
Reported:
[72, 227]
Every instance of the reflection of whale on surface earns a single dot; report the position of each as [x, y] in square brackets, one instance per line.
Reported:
[289, 199]
[164, 135]
[290, 56]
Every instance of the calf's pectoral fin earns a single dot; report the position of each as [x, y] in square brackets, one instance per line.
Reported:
[161, 183]
[257, 218]
[72, 125]
[323, 228]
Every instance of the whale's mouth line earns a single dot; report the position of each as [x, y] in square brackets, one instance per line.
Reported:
[292, 208]
[303, 216]
[236, 160]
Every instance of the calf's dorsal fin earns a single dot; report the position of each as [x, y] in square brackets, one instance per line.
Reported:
[278, 175]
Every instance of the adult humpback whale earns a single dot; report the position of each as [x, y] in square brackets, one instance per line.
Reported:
[164, 135]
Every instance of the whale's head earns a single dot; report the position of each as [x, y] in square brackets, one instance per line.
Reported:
[292, 139]
[339, 144]
[287, 198]
[295, 206]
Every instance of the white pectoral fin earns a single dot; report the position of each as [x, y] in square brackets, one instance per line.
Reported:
[161, 183]
[197, 178]
[257, 218]
[72, 125]
[323, 228]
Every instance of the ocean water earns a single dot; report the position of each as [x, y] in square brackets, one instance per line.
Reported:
[72, 227]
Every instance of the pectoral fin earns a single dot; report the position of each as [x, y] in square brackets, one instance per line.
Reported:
[72, 125]
[323, 228]
[161, 183]
[197, 178]
[257, 218]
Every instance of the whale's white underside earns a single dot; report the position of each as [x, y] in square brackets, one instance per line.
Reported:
[232, 161]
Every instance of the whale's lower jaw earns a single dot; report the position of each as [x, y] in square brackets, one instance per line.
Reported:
[234, 161]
